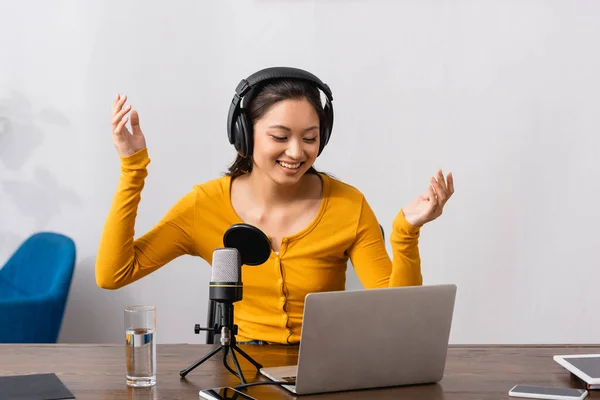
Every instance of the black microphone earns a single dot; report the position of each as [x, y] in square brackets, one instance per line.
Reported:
[243, 244]
[226, 279]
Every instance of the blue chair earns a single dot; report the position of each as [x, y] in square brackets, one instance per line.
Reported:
[34, 287]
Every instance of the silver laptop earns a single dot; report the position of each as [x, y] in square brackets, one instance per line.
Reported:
[361, 339]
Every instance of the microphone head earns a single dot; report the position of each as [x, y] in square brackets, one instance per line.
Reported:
[254, 246]
[226, 278]
[226, 265]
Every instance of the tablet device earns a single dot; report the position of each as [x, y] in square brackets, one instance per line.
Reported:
[585, 366]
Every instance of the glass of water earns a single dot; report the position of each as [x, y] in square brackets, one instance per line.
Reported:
[140, 327]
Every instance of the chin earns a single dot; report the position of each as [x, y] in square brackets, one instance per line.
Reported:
[286, 180]
[289, 177]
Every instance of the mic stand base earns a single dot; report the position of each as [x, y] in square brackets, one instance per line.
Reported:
[228, 346]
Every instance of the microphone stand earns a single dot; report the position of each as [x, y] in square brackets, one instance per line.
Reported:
[254, 248]
[228, 344]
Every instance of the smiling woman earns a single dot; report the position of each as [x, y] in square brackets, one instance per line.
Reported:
[282, 192]
[315, 223]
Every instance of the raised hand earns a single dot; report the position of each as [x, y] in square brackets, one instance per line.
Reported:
[429, 206]
[126, 142]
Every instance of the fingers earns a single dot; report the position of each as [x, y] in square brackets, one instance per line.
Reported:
[119, 129]
[135, 123]
[119, 116]
[444, 188]
[433, 198]
[450, 183]
[118, 103]
[440, 179]
[440, 190]
[115, 103]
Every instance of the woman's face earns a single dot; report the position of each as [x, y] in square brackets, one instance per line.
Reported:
[286, 141]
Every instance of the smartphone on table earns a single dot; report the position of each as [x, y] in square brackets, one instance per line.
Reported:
[224, 393]
[549, 393]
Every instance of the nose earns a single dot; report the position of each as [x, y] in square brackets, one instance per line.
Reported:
[294, 149]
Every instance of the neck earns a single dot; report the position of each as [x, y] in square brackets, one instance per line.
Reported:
[270, 194]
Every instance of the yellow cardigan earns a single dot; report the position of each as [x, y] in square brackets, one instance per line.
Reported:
[311, 260]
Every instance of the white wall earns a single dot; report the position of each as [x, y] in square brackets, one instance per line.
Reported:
[502, 93]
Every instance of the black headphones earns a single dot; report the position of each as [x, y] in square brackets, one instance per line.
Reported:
[240, 130]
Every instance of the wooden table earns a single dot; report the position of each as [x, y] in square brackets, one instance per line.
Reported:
[97, 371]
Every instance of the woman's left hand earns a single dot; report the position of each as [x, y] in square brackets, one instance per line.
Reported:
[429, 206]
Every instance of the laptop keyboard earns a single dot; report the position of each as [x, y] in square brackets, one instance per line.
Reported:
[289, 378]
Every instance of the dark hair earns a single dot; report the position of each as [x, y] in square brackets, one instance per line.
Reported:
[261, 102]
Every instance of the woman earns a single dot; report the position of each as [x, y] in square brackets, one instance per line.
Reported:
[313, 221]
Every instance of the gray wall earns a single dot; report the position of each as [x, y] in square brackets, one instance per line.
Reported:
[502, 93]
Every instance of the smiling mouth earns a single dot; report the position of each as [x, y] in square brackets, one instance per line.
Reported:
[290, 165]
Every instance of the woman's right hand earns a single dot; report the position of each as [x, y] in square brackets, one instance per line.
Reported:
[126, 143]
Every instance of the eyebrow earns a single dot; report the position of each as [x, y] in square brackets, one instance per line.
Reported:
[285, 128]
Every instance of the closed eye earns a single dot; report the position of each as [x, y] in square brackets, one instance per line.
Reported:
[279, 138]
[310, 140]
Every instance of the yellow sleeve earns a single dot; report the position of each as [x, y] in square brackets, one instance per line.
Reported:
[122, 260]
[371, 260]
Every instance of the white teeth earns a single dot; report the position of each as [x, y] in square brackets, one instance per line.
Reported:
[290, 166]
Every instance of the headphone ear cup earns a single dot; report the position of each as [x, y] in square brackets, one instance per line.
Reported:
[323, 139]
[238, 137]
[328, 126]
[244, 136]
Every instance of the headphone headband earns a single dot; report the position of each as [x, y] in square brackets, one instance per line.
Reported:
[239, 129]
[275, 73]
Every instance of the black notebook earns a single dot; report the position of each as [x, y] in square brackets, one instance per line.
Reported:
[33, 387]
